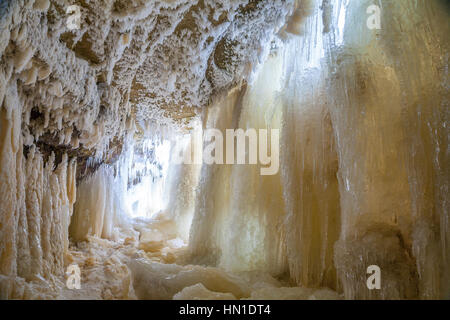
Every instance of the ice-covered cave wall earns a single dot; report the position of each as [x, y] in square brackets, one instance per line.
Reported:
[37, 204]
[364, 152]
[71, 98]
[128, 60]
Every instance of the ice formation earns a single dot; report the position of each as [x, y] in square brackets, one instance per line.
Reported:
[363, 157]
[36, 208]
[91, 118]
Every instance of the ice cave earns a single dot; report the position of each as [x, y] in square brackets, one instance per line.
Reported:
[117, 178]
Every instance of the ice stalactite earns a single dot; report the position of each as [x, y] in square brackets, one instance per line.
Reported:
[95, 206]
[36, 208]
[101, 209]
[142, 184]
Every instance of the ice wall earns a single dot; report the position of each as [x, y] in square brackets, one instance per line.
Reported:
[288, 222]
[238, 219]
[364, 155]
[309, 165]
[97, 211]
[389, 108]
[182, 180]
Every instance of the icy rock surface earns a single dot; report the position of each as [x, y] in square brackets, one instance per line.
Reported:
[199, 292]
[163, 281]
[166, 281]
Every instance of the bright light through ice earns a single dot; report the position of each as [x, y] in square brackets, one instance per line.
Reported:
[342, 11]
[315, 49]
[148, 168]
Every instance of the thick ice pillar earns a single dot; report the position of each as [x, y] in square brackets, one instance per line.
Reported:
[254, 226]
[388, 109]
[213, 194]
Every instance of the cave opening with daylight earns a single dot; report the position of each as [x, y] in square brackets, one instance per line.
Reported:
[244, 149]
[148, 168]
